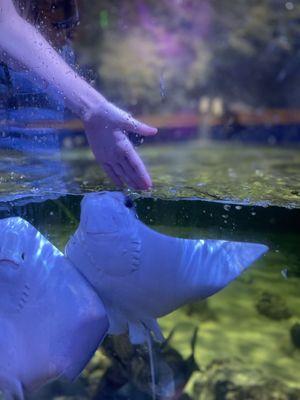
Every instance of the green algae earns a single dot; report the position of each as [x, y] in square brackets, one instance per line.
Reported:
[197, 169]
[273, 306]
[231, 172]
[213, 171]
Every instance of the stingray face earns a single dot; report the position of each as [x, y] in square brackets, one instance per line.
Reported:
[106, 213]
[17, 241]
[21, 246]
[13, 244]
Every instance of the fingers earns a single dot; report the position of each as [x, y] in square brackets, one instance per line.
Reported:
[129, 170]
[132, 165]
[127, 178]
[112, 175]
[133, 125]
[130, 177]
[136, 167]
[124, 174]
[120, 161]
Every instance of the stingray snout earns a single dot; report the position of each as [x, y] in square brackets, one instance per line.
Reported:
[10, 252]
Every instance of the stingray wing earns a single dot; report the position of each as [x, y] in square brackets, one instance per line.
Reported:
[207, 266]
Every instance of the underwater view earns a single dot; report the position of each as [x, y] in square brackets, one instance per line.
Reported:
[242, 343]
[149, 200]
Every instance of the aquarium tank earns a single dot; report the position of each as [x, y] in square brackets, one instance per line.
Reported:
[221, 82]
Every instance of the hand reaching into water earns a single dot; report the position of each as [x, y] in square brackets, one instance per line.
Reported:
[106, 132]
[105, 124]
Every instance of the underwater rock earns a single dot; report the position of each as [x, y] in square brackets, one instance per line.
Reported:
[294, 269]
[273, 306]
[140, 274]
[295, 335]
[199, 309]
[129, 373]
[182, 368]
[185, 396]
[234, 380]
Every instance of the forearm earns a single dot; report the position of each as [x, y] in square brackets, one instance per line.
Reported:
[22, 43]
[105, 125]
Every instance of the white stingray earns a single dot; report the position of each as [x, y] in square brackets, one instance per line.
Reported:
[141, 274]
[51, 320]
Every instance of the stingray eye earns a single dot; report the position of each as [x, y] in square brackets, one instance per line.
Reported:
[128, 203]
[23, 256]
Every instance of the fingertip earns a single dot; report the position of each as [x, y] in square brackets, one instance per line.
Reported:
[147, 183]
[142, 183]
[150, 130]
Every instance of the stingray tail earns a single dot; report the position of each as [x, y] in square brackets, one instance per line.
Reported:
[139, 331]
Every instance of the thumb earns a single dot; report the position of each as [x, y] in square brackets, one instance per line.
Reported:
[133, 125]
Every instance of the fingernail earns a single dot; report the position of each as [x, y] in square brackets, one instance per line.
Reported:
[148, 185]
[152, 129]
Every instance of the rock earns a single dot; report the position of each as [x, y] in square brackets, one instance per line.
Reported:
[273, 306]
[294, 269]
[185, 396]
[199, 309]
[235, 380]
[295, 335]
[129, 374]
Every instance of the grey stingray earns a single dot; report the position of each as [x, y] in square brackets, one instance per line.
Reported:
[140, 274]
[51, 320]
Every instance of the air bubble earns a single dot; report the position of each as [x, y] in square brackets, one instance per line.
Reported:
[289, 5]
[284, 273]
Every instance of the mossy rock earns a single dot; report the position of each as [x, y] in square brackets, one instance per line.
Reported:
[234, 380]
[295, 335]
[273, 306]
[185, 396]
[199, 309]
[294, 270]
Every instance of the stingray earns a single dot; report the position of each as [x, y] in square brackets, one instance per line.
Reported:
[140, 274]
[51, 319]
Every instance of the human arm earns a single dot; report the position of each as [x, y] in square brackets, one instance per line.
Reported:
[105, 124]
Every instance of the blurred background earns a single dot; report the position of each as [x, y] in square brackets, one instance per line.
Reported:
[220, 79]
[214, 68]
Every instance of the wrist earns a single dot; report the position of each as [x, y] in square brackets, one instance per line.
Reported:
[92, 104]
